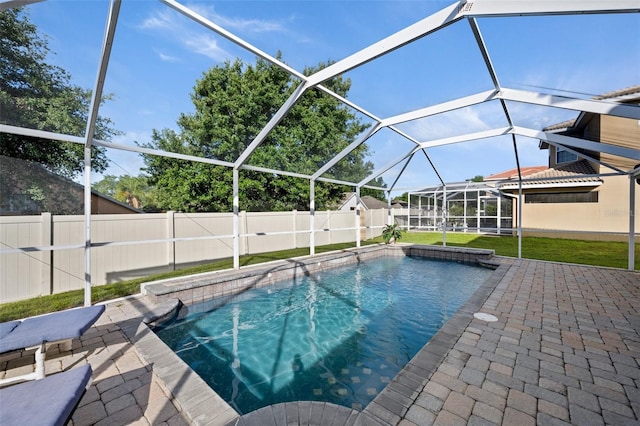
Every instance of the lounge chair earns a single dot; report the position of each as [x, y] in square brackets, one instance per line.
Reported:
[40, 332]
[49, 401]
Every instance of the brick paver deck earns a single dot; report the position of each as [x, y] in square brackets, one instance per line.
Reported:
[565, 350]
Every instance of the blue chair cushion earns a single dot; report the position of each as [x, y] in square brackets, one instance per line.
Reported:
[52, 327]
[7, 327]
[49, 401]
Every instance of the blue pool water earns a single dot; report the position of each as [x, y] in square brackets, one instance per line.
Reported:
[338, 336]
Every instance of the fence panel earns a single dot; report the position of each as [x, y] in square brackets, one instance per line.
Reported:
[114, 263]
[194, 225]
[152, 246]
[27, 274]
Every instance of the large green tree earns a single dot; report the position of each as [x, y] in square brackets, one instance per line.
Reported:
[37, 95]
[233, 102]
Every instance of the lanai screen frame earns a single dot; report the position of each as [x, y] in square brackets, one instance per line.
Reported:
[449, 190]
[458, 11]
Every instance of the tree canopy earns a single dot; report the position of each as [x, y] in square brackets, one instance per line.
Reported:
[233, 102]
[37, 95]
[132, 190]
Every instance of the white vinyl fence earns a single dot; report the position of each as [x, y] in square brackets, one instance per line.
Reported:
[43, 255]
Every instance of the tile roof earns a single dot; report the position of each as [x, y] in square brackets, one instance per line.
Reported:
[513, 173]
[627, 92]
[560, 126]
[577, 172]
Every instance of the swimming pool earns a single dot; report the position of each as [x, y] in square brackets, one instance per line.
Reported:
[338, 336]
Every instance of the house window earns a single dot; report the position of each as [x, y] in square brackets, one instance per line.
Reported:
[564, 156]
[562, 197]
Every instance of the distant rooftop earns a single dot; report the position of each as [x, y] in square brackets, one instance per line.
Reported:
[576, 173]
[513, 173]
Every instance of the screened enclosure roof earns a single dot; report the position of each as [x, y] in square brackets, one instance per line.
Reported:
[463, 88]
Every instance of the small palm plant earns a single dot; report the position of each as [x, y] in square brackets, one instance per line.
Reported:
[391, 233]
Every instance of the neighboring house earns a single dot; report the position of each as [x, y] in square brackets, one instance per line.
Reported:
[367, 202]
[577, 192]
[27, 188]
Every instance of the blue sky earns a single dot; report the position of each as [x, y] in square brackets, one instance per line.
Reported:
[158, 54]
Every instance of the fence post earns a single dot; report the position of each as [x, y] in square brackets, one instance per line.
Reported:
[171, 234]
[244, 229]
[46, 271]
[294, 235]
[358, 217]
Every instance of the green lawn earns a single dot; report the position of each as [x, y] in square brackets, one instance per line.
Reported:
[611, 254]
[599, 253]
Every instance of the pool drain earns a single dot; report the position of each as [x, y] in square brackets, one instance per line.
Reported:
[485, 317]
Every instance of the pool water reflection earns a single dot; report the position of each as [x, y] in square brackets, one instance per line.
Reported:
[338, 336]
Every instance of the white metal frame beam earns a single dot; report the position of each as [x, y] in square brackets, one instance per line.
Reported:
[43, 134]
[579, 143]
[461, 9]
[585, 105]
[16, 3]
[452, 105]
[502, 8]
[336, 159]
[467, 137]
[405, 36]
[96, 97]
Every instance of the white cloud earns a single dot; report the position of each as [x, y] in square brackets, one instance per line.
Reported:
[131, 137]
[239, 24]
[197, 39]
[207, 45]
[160, 20]
[453, 123]
[168, 58]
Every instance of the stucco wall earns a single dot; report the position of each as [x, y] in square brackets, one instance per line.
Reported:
[609, 215]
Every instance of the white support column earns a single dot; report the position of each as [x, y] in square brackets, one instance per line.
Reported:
[236, 220]
[389, 219]
[435, 210]
[632, 221]
[358, 206]
[520, 219]
[478, 212]
[312, 217]
[96, 97]
[408, 211]
[87, 225]
[464, 214]
[419, 211]
[499, 213]
[444, 215]
[427, 208]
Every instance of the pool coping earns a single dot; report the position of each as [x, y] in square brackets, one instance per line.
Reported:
[203, 406]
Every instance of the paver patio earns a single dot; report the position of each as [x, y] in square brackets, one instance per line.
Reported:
[565, 350]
